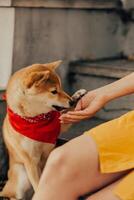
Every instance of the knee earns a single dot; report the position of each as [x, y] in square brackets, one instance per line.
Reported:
[59, 164]
[92, 197]
[57, 158]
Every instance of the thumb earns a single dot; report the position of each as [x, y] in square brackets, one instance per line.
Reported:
[78, 106]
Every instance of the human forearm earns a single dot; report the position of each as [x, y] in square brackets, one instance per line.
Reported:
[119, 88]
[94, 100]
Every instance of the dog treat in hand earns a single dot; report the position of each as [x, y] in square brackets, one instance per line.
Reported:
[75, 98]
[78, 95]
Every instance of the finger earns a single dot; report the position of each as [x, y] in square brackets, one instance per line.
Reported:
[69, 121]
[72, 117]
[78, 106]
[73, 120]
[86, 112]
[63, 116]
[69, 116]
[75, 117]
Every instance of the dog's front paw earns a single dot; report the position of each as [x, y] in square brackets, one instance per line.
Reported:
[78, 95]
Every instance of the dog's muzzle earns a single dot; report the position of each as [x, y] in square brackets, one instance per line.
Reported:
[59, 108]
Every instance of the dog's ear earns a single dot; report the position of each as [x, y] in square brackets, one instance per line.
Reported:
[53, 65]
[36, 78]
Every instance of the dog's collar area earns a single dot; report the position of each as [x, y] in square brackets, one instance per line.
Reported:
[44, 116]
[43, 128]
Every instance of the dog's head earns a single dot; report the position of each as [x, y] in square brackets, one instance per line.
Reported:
[37, 89]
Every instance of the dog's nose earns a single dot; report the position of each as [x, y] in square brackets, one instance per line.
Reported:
[71, 103]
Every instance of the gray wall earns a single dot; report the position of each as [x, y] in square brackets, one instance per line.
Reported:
[43, 35]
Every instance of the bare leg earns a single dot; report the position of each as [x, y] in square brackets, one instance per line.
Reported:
[105, 194]
[73, 170]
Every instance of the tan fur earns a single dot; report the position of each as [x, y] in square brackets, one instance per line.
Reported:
[29, 93]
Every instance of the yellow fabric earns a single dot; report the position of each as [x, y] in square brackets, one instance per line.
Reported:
[115, 142]
[125, 190]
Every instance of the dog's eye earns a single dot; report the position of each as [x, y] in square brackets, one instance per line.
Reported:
[54, 92]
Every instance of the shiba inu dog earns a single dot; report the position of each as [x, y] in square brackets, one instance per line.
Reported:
[34, 100]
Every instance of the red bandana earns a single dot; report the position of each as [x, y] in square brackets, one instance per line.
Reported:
[42, 128]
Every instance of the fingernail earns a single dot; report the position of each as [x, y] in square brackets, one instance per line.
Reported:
[70, 113]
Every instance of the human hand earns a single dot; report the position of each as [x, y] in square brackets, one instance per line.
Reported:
[87, 106]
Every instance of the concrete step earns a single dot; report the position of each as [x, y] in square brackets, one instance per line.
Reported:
[101, 4]
[91, 75]
[116, 68]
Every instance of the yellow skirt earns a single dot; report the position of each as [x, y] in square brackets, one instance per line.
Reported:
[115, 141]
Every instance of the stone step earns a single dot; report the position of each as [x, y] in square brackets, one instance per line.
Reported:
[83, 4]
[108, 68]
[91, 75]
